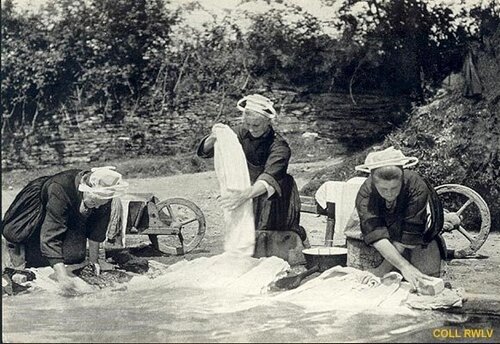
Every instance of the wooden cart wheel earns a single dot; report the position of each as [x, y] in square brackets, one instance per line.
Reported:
[189, 221]
[472, 227]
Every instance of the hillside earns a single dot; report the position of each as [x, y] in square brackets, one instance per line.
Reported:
[456, 139]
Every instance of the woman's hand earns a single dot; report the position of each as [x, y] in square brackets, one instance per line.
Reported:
[96, 268]
[213, 135]
[217, 126]
[234, 199]
[210, 140]
[415, 277]
[67, 283]
[69, 286]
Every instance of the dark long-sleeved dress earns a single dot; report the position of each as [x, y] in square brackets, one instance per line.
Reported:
[407, 221]
[45, 217]
[267, 159]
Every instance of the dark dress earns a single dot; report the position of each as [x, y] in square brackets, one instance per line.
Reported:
[407, 222]
[267, 159]
[45, 217]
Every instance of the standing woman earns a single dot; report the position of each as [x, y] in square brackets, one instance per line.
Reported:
[274, 192]
[51, 219]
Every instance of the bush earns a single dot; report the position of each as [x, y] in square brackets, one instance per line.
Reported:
[456, 139]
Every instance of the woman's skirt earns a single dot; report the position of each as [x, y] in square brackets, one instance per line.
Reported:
[26, 213]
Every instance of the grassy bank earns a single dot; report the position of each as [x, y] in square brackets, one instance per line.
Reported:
[149, 167]
[146, 167]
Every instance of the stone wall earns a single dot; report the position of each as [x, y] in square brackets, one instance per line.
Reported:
[333, 117]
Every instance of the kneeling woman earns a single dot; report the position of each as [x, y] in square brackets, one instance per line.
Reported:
[274, 191]
[401, 216]
[51, 219]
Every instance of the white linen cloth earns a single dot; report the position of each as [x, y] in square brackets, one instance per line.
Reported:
[343, 194]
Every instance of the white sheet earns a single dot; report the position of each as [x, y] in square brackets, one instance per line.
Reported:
[343, 194]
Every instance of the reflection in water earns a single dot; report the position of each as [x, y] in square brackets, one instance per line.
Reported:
[188, 315]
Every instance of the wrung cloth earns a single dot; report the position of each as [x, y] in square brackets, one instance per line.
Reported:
[232, 173]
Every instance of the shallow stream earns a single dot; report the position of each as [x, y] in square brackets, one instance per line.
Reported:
[190, 315]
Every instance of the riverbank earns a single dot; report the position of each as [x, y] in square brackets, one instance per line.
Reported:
[477, 275]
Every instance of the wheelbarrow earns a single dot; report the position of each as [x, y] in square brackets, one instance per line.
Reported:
[174, 226]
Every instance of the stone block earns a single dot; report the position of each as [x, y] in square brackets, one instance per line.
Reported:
[283, 244]
[362, 256]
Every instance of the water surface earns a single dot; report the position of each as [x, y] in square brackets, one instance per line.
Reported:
[189, 315]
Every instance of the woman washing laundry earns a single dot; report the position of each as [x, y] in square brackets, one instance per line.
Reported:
[51, 219]
[400, 216]
[275, 195]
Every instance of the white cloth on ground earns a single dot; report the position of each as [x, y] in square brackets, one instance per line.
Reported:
[448, 298]
[340, 288]
[44, 282]
[232, 173]
[233, 273]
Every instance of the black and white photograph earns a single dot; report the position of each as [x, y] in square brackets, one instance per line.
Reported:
[280, 171]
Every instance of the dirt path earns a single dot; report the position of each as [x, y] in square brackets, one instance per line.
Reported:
[476, 275]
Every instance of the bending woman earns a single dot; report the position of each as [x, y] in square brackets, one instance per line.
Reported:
[51, 219]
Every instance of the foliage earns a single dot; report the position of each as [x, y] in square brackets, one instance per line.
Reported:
[121, 59]
[403, 56]
[79, 57]
[82, 58]
[289, 53]
[457, 140]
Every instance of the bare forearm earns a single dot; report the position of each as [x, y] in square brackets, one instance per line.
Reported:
[60, 271]
[209, 143]
[255, 190]
[391, 253]
[93, 251]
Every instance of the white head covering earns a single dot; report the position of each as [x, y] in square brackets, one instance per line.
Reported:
[104, 183]
[259, 104]
[387, 157]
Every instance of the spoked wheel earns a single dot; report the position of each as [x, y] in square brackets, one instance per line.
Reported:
[467, 219]
[186, 219]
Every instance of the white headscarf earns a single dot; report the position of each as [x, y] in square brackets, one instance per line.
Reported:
[257, 103]
[104, 183]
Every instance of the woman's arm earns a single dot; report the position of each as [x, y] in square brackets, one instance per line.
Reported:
[94, 255]
[394, 257]
[93, 251]
[209, 142]
[206, 147]
[235, 199]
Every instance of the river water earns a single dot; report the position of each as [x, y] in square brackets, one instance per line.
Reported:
[194, 315]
